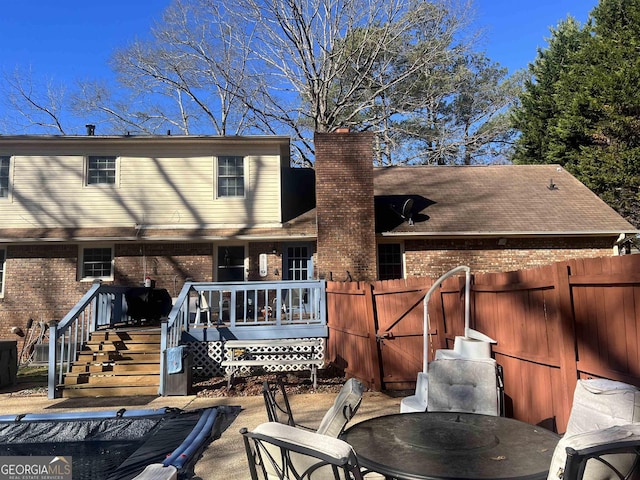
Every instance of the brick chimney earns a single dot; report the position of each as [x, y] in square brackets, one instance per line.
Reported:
[345, 206]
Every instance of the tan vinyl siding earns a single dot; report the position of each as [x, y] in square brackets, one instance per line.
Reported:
[50, 191]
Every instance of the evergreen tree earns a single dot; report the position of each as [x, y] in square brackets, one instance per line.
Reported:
[581, 109]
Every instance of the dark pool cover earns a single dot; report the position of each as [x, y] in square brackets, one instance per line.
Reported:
[118, 445]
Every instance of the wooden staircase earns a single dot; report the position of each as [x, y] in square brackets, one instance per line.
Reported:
[116, 363]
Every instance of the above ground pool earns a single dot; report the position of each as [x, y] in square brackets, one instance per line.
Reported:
[118, 445]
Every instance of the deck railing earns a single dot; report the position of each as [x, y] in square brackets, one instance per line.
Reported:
[245, 310]
[201, 312]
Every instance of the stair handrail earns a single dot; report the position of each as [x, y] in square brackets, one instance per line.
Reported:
[57, 333]
[101, 305]
[425, 304]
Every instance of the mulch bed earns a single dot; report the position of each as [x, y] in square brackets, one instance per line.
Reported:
[250, 385]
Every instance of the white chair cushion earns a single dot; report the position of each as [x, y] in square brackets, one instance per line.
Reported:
[600, 403]
[463, 385]
[333, 447]
[343, 408]
[597, 405]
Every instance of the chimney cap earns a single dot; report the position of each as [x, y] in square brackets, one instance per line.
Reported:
[91, 129]
[342, 130]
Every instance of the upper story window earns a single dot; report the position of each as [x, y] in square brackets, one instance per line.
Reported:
[101, 170]
[230, 176]
[4, 176]
[96, 263]
[2, 268]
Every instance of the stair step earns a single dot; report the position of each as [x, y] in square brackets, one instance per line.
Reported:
[86, 390]
[128, 335]
[113, 380]
[89, 356]
[116, 367]
[116, 363]
[95, 346]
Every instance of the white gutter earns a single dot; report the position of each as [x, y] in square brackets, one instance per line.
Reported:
[509, 234]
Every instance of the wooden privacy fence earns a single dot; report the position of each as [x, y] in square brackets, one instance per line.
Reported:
[553, 325]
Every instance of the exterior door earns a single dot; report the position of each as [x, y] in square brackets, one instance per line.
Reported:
[298, 265]
[297, 262]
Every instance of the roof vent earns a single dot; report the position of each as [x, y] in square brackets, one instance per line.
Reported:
[91, 129]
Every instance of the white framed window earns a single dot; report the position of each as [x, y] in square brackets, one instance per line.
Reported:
[390, 261]
[96, 263]
[101, 170]
[3, 259]
[230, 176]
[5, 164]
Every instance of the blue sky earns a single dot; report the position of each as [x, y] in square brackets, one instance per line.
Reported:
[65, 40]
[514, 29]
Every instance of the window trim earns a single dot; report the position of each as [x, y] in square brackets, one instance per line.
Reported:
[81, 276]
[9, 178]
[218, 196]
[3, 270]
[85, 180]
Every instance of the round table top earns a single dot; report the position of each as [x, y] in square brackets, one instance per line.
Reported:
[445, 445]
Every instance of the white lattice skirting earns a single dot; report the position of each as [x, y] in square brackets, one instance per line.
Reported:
[207, 356]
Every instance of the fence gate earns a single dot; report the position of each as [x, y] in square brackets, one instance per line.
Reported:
[399, 330]
[352, 336]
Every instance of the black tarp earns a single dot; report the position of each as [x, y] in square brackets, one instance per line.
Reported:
[111, 448]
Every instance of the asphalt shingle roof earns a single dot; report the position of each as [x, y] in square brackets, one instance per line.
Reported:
[507, 199]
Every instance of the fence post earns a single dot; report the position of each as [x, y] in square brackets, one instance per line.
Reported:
[53, 363]
[566, 338]
[372, 326]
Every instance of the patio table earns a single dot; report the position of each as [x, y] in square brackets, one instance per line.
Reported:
[445, 445]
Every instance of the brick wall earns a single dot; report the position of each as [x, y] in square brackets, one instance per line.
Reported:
[432, 258]
[40, 283]
[41, 280]
[274, 261]
[169, 264]
[345, 206]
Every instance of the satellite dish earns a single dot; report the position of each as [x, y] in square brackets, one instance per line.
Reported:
[406, 212]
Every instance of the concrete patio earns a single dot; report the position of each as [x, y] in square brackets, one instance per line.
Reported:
[224, 458]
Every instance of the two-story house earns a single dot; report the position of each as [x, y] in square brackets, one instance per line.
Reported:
[119, 209]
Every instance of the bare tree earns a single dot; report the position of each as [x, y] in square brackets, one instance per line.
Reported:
[33, 105]
[345, 63]
[398, 68]
[284, 66]
[187, 76]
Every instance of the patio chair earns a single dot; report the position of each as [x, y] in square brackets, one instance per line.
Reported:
[278, 451]
[611, 453]
[465, 385]
[598, 404]
[333, 422]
